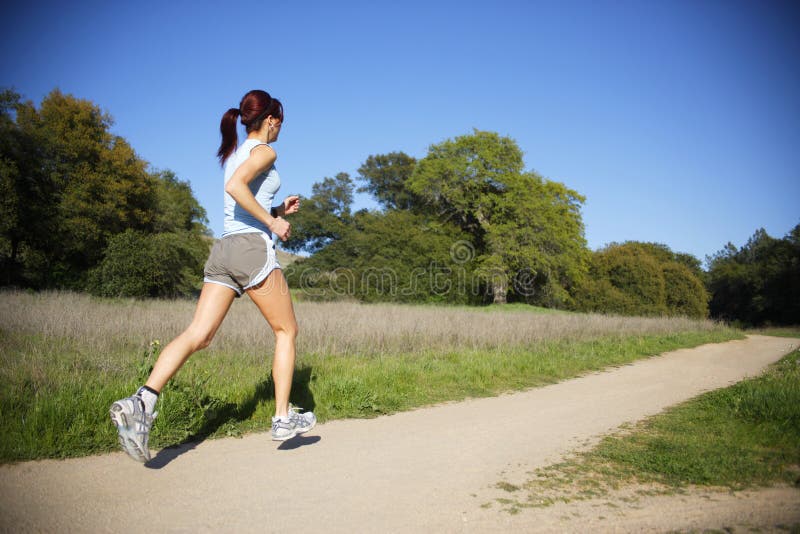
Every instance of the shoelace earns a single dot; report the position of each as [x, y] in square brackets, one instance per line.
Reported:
[143, 426]
[294, 413]
[294, 418]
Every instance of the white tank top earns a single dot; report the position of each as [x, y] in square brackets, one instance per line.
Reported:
[264, 186]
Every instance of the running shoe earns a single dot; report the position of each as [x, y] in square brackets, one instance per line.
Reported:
[296, 423]
[133, 425]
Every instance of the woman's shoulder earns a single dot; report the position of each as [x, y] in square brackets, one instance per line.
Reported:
[258, 153]
[253, 142]
[250, 145]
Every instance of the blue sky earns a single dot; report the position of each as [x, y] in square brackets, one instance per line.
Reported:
[679, 121]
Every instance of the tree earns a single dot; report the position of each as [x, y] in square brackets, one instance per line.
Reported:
[522, 226]
[325, 216]
[69, 186]
[759, 283]
[90, 184]
[176, 207]
[27, 193]
[386, 177]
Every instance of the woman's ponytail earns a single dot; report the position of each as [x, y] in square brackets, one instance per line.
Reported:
[255, 106]
[227, 127]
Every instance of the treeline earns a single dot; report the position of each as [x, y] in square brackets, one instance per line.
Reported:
[80, 210]
[758, 283]
[466, 224]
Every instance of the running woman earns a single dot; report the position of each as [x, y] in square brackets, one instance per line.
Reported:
[242, 261]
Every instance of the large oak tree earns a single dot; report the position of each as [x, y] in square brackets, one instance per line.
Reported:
[527, 231]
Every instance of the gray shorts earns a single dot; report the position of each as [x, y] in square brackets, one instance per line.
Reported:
[241, 261]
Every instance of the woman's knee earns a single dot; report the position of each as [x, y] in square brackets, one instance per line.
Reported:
[288, 330]
[203, 343]
[199, 339]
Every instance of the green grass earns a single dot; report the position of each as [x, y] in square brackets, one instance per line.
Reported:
[64, 357]
[55, 392]
[742, 436]
[779, 331]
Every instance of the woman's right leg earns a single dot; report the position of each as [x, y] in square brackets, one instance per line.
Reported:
[214, 303]
[133, 416]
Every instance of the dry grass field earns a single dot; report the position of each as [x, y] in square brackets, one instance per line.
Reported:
[333, 328]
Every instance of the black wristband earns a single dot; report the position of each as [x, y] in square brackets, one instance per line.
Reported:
[273, 212]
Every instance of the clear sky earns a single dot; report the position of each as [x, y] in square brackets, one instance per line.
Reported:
[679, 121]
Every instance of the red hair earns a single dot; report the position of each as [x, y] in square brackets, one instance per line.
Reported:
[253, 109]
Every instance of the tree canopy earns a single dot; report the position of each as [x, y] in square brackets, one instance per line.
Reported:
[385, 176]
[527, 231]
[325, 217]
[70, 186]
[758, 283]
[466, 215]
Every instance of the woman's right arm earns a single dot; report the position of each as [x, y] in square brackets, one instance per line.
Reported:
[261, 158]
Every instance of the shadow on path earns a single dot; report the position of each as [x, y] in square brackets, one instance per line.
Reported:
[298, 441]
[229, 412]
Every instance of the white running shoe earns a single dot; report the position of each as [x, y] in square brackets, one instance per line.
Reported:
[133, 425]
[297, 423]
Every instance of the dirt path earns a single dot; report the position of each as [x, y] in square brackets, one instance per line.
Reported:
[427, 470]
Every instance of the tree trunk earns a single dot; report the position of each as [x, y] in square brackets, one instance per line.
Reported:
[11, 270]
[499, 288]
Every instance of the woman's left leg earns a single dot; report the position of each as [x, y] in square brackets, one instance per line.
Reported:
[273, 300]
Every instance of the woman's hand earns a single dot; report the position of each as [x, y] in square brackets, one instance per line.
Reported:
[291, 205]
[281, 228]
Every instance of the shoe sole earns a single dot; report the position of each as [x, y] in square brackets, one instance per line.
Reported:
[126, 435]
[295, 433]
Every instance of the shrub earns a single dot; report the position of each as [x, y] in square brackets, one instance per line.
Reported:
[150, 265]
[685, 293]
[395, 256]
[642, 279]
[622, 282]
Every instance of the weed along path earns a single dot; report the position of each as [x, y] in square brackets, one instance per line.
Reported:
[428, 470]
